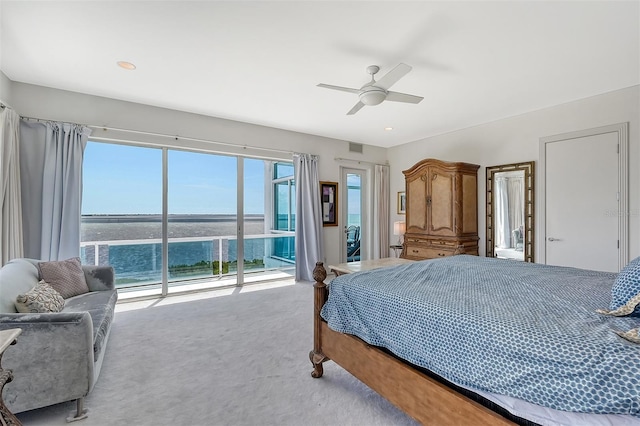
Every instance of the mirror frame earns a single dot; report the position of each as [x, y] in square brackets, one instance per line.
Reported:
[529, 206]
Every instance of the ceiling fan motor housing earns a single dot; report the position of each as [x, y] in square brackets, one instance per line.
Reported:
[372, 95]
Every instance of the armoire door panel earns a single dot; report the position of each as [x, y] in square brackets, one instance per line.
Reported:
[442, 185]
[416, 197]
[469, 204]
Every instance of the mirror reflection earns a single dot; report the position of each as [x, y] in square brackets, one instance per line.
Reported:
[508, 199]
[510, 211]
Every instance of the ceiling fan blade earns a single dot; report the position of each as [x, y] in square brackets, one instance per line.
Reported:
[393, 76]
[403, 97]
[343, 89]
[357, 107]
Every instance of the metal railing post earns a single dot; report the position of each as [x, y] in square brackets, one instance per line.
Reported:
[219, 257]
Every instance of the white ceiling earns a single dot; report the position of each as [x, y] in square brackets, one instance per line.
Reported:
[259, 62]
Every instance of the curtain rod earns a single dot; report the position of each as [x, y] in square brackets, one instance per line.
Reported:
[44, 119]
[359, 161]
[177, 137]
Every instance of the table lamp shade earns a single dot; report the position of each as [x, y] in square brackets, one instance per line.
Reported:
[399, 228]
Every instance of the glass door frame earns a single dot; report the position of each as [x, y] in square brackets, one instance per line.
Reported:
[364, 216]
[164, 283]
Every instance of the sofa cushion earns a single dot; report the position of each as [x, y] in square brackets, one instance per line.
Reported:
[41, 299]
[101, 306]
[99, 278]
[66, 276]
[18, 276]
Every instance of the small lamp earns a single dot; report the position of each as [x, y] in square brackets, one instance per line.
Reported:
[398, 229]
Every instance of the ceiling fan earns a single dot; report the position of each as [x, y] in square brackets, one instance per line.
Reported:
[375, 92]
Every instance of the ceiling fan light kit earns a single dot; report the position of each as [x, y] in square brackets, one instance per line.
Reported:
[372, 96]
[376, 92]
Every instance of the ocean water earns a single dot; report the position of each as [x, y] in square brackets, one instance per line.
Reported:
[354, 219]
[139, 262]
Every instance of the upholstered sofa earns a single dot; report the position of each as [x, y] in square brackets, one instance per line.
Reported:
[58, 356]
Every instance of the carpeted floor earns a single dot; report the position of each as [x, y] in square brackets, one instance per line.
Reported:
[227, 357]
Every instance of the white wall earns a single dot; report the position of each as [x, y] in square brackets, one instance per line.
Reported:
[52, 104]
[516, 139]
[504, 141]
[5, 89]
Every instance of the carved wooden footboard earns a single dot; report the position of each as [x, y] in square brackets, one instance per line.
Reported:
[420, 396]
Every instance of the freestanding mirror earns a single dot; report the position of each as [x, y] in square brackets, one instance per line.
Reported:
[510, 210]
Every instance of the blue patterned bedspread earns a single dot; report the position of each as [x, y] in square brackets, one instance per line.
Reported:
[513, 328]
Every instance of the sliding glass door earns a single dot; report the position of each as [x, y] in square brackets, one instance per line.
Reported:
[202, 215]
[268, 219]
[283, 215]
[122, 211]
[166, 218]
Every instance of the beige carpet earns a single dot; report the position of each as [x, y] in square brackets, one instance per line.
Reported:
[228, 357]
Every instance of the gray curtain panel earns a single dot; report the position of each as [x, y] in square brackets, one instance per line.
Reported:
[381, 213]
[11, 245]
[309, 245]
[51, 173]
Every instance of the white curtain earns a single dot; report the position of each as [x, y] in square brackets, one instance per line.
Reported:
[309, 246]
[11, 243]
[502, 226]
[381, 217]
[515, 190]
[51, 174]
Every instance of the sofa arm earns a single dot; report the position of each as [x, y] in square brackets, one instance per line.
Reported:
[52, 360]
[99, 278]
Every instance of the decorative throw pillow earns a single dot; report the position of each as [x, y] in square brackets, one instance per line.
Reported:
[632, 335]
[66, 276]
[41, 299]
[627, 286]
[623, 310]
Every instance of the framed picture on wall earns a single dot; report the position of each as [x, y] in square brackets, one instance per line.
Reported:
[402, 203]
[329, 195]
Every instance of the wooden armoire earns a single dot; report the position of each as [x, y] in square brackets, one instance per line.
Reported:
[441, 209]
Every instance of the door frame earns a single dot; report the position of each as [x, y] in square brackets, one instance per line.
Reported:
[364, 217]
[622, 130]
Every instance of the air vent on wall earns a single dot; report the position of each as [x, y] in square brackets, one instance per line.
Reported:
[355, 147]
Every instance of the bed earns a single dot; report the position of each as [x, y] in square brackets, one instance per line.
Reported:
[486, 341]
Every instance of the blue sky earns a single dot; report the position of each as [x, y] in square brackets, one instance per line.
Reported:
[121, 179]
[124, 179]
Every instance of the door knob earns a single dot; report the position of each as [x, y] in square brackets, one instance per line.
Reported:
[553, 239]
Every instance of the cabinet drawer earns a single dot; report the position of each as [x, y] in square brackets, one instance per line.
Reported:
[413, 240]
[426, 252]
[437, 243]
[449, 245]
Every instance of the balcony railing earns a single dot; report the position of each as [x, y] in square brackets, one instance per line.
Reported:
[139, 262]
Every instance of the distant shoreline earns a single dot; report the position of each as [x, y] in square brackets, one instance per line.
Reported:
[129, 218]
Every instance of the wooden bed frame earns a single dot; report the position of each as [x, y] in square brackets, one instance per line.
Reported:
[420, 396]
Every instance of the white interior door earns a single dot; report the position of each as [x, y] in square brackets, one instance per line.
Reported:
[582, 201]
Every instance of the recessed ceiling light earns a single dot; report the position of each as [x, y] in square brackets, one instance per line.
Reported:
[388, 128]
[126, 65]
